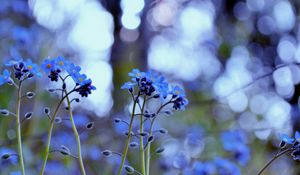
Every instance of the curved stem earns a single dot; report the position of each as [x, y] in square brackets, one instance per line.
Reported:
[148, 149]
[142, 153]
[18, 129]
[77, 138]
[272, 160]
[49, 135]
[128, 137]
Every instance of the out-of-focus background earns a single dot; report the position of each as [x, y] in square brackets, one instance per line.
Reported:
[237, 61]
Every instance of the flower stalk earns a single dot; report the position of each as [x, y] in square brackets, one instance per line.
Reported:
[18, 128]
[76, 137]
[128, 136]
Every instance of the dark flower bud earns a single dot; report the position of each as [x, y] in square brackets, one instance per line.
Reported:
[296, 143]
[168, 112]
[126, 133]
[130, 90]
[147, 115]
[89, 125]
[143, 134]
[159, 150]
[64, 86]
[30, 95]
[282, 144]
[47, 110]
[28, 115]
[117, 120]
[129, 169]
[67, 108]
[107, 153]
[77, 100]
[4, 112]
[150, 139]
[30, 75]
[163, 131]
[133, 144]
[58, 120]
[64, 150]
[51, 90]
[156, 96]
[5, 156]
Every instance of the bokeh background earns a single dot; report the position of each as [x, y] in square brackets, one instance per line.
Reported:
[238, 61]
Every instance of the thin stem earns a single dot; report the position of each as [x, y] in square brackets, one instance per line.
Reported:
[128, 137]
[272, 160]
[148, 146]
[49, 135]
[142, 153]
[77, 137]
[18, 128]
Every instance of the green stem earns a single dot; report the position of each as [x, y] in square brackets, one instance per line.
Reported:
[128, 137]
[49, 135]
[77, 138]
[148, 149]
[18, 128]
[272, 160]
[142, 153]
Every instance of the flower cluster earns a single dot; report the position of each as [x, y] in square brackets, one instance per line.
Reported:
[22, 70]
[55, 66]
[154, 85]
[294, 144]
[235, 142]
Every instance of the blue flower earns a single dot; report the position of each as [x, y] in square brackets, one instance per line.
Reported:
[136, 74]
[86, 88]
[5, 77]
[49, 65]
[32, 68]
[204, 168]
[226, 167]
[129, 85]
[286, 139]
[79, 79]
[73, 69]
[177, 91]
[235, 142]
[61, 63]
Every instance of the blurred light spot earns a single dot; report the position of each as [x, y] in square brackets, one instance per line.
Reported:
[284, 15]
[266, 25]
[295, 71]
[164, 12]
[201, 23]
[89, 32]
[129, 35]
[283, 76]
[47, 14]
[258, 104]
[247, 121]
[255, 5]
[238, 101]
[241, 11]
[132, 6]
[286, 50]
[278, 113]
[131, 21]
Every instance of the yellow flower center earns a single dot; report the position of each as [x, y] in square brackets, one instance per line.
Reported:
[61, 63]
[48, 66]
[29, 67]
[177, 92]
[81, 79]
[138, 74]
